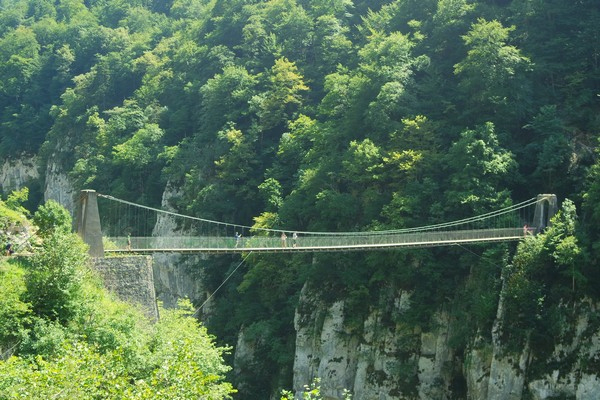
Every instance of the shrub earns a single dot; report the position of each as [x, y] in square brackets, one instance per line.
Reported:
[52, 217]
[54, 282]
[15, 314]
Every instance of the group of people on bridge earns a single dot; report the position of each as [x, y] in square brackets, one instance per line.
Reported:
[238, 239]
[294, 239]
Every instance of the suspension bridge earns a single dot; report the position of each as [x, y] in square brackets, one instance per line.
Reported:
[141, 233]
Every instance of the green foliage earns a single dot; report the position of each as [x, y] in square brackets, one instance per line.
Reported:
[271, 192]
[477, 165]
[80, 372]
[225, 97]
[181, 362]
[54, 285]
[477, 301]
[10, 218]
[492, 74]
[312, 392]
[63, 336]
[14, 227]
[141, 149]
[52, 217]
[545, 272]
[284, 94]
[20, 61]
[196, 364]
[554, 152]
[16, 198]
[15, 314]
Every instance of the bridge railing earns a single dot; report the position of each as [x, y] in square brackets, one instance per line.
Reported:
[271, 242]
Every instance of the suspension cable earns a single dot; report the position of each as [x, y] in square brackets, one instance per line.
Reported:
[221, 285]
[478, 218]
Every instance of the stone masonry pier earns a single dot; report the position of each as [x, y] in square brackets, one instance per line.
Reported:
[131, 279]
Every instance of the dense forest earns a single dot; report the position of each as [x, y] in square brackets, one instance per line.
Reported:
[327, 115]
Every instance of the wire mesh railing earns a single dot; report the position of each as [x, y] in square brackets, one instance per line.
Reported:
[216, 244]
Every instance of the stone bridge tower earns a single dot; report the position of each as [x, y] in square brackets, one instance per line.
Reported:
[546, 207]
[88, 222]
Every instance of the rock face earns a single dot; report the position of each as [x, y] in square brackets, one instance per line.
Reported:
[324, 348]
[14, 174]
[387, 359]
[573, 368]
[59, 187]
[175, 276]
[383, 358]
[19, 172]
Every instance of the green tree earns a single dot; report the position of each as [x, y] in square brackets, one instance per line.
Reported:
[62, 335]
[15, 314]
[196, 363]
[552, 148]
[13, 214]
[20, 66]
[478, 164]
[52, 218]
[284, 94]
[141, 149]
[296, 148]
[54, 285]
[20, 62]
[492, 74]
[225, 99]
[544, 273]
[181, 361]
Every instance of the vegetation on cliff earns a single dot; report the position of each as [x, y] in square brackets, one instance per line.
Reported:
[63, 336]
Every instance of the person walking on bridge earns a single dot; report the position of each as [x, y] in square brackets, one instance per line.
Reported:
[9, 249]
[283, 239]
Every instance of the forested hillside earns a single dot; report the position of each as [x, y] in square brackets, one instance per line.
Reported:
[328, 115]
[63, 336]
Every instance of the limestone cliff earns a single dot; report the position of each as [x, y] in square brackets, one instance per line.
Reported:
[175, 276]
[17, 173]
[59, 187]
[384, 358]
[55, 182]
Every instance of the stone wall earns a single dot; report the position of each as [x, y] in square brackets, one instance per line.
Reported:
[131, 279]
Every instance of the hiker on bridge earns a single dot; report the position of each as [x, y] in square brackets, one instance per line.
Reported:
[295, 239]
[9, 249]
[283, 239]
[238, 239]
